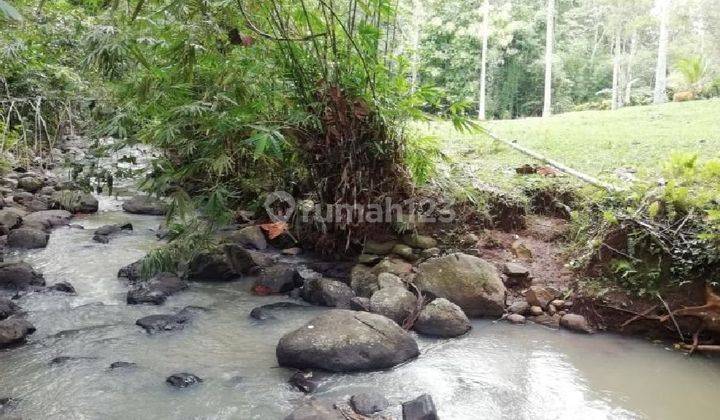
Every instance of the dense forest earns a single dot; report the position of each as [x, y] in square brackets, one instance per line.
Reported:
[356, 209]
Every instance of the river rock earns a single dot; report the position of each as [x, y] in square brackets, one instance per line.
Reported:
[144, 204]
[30, 183]
[516, 319]
[536, 310]
[419, 241]
[307, 382]
[8, 220]
[183, 380]
[396, 303]
[575, 322]
[315, 410]
[63, 287]
[392, 265]
[19, 276]
[442, 318]
[470, 282]
[75, 201]
[7, 308]
[379, 248]
[278, 278]
[421, 408]
[429, 253]
[541, 295]
[365, 342]
[547, 320]
[369, 403]
[132, 272]
[156, 290]
[103, 233]
[360, 304]
[14, 331]
[27, 238]
[404, 251]
[363, 281]
[47, 219]
[519, 307]
[385, 280]
[327, 292]
[211, 266]
[167, 322]
[246, 261]
[250, 236]
[122, 365]
[368, 259]
[35, 204]
[264, 312]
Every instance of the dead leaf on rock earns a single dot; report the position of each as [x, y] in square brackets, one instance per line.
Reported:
[273, 230]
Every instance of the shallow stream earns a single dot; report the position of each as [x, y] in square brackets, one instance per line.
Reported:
[498, 371]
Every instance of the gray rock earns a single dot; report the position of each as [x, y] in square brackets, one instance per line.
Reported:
[442, 318]
[35, 204]
[48, 219]
[211, 266]
[547, 320]
[368, 259]
[541, 295]
[516, 319]
[9, 220]
[519, 307]
[315, 410]
[30, 183]
[156, 290]
[183, 380]
[577, 323]
[168, 322]
[13, 331]
[360, 304]
[143, 204]
[430, 252]
[396, 303]
[404, 251]
[19, 276]
[75, 201]
[385, 280]
[265, 312]
[63, 287]
[363, 281]
[421, 408]
[251, 236]
[365, 342]
[122, 365]
[279, 278]
[536, 310]
[104, 233]
[379, 248]
[27, 238]
[469, 282]
[7, 308]
[368, 403]
[307, 382]
[419, 241]
[131, 272]
[327, 292]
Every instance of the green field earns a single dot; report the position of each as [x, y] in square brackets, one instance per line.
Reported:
[598, 143]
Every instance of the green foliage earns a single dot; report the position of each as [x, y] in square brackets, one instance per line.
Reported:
[692, 69]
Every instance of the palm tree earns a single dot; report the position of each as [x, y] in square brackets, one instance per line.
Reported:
[692, 70]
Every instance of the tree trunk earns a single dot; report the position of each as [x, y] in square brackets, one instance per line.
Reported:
[660, 94]
[616, 73]
[629, 70]
[547, 106]
[483, 60]
[417, 17]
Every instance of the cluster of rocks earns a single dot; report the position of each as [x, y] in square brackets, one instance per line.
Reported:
[543, 305]
[365, 405]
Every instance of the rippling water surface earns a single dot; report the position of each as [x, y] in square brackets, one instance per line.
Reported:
[498, 371]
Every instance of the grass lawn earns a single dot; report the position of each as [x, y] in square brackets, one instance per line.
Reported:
[595, 142]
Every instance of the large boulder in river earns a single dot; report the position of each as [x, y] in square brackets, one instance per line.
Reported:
[211, 266]
[442, 318]
[396, 303]
[316, 410]
[246, 261]
[27, 238]
[279, 278]
[470, 282]
[14, 331]
[143, 204]
[47, 219]
[75, 201]
[577, 323]
[346, 341]
[541, 295]
[156, 290]
[132, 272]
[19, 276]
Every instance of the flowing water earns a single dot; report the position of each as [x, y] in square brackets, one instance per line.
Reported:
[496, 371]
